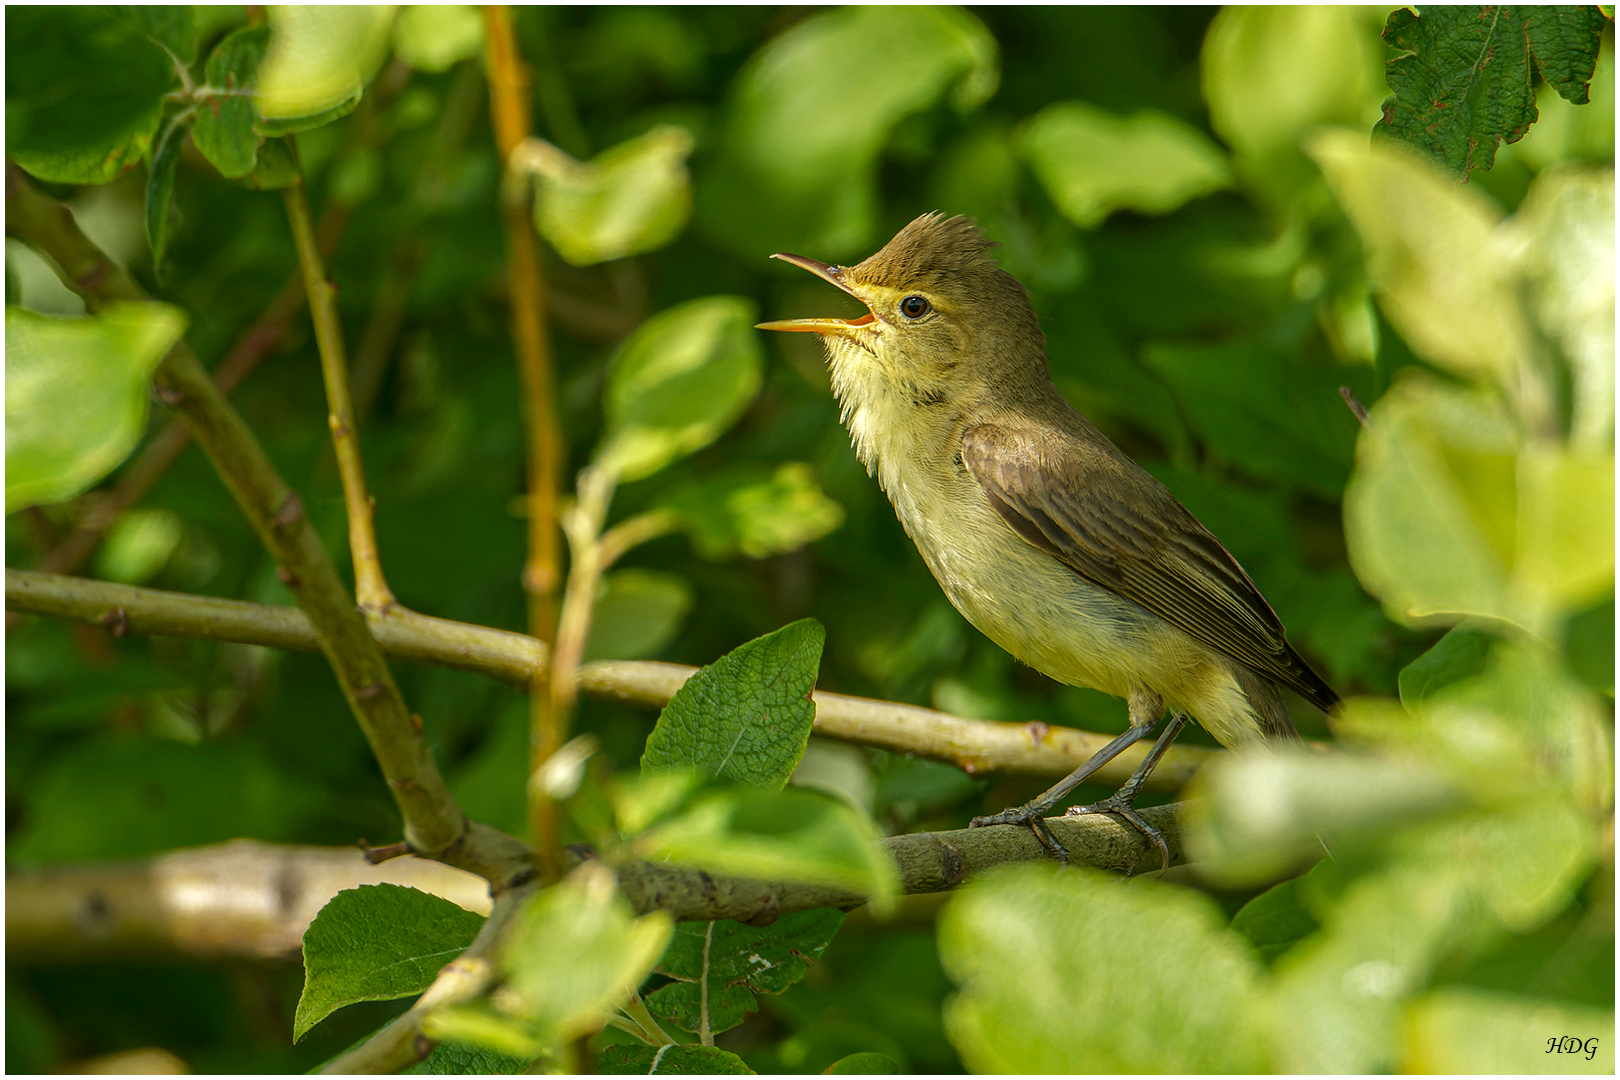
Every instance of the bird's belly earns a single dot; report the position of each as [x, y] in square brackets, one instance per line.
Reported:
[1059, 623]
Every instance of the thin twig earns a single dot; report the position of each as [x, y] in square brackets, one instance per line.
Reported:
[976, 746]
[434, 824]
[509, 97]
[370, 587]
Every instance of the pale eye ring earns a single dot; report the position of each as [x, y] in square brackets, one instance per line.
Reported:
[915, 307]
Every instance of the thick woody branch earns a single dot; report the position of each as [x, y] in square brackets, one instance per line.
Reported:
[434, 824]
[240, 899]
[977, 746]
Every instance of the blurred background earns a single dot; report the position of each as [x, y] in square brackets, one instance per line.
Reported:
[1144, 171]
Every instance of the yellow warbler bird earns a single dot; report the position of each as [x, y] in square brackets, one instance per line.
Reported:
[1045, 536]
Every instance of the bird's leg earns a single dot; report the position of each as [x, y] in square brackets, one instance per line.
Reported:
[1123, 801]
[1145, 709]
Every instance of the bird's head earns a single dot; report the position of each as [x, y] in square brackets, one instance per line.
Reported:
[942, 317]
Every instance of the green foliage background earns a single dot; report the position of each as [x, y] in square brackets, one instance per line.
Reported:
[1204, 296]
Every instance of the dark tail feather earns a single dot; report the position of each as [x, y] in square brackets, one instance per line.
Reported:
[1268, 705]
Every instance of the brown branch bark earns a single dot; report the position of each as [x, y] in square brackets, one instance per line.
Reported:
[509, 111]
[434, 824]
[977, 746]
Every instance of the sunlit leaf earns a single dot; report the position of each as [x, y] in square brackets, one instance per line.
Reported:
[138, 544]
[1042, 960]
[375, 943]
[809, 114]
[757, 514]
[84, 91]
[76, 395]
[1093, 163]
[630, 199]
[1463, 80]
[636, 614]
[1463, 1031]
[433, 37]
[679, 382]
[1428, 245]
[747, 716]
[320, 59]
[865, 1063]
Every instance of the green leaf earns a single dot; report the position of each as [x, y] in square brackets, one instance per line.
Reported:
[138, 545]
[122, 797]
[1461, 654]
[1271, 74]
[376, 943]
[1262, 409]
[679, 382]
[574, 953]
[810, 113]
[865, 1063]
[1070, 970]
[76, 395]
[792, 835]
[84, 91]
[1463, 81]
[1429, 255]
[224, 132]
[1566, 526]
[756, 513]
[159, 187]
[636, 614]
[747, 716]
[671, 1061]
[276, 167]
[1466, 1032]
[319, 61]
[453, 1059]
[632, 198]
[1275, 921]
[735, 962]
[1093, 163]
[174, 26]
[434, 37]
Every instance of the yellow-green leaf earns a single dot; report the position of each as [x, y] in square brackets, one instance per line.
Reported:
[632, 198]
[320, 57]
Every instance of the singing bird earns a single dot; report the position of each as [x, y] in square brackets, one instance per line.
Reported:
[1045, 536]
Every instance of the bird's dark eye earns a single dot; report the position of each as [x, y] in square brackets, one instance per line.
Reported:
[915, 307]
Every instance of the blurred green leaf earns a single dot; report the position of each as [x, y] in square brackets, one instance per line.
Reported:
[1271, 74]
[275, 167]
[866, 1063]
[376, 943]
[1275, 921]
[1562, 240]
[84, 91]
[679, 382]
[224, 131]
[1073, 969]
[1461, 654]
[174, 26]
[671, 1061]
[433, 37]
[797, 163]
[1472, 1032]
[1463, 79]
[750, 511]
[792, 835]
[159, 188]
[319, 61]
[636, 614]
[574, 953]
[76, 395]
[747, 716]
[121, 797]
[137, 546]
[1093, 163]
[1429, 256]
[721, 965]
[632, 198]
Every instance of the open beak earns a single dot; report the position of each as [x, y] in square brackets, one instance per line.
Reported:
[834, 274]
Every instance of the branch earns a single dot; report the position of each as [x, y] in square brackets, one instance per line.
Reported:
[370, 587]
[976, 746]
[240, 899]
[509, 113]
[434, 824]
